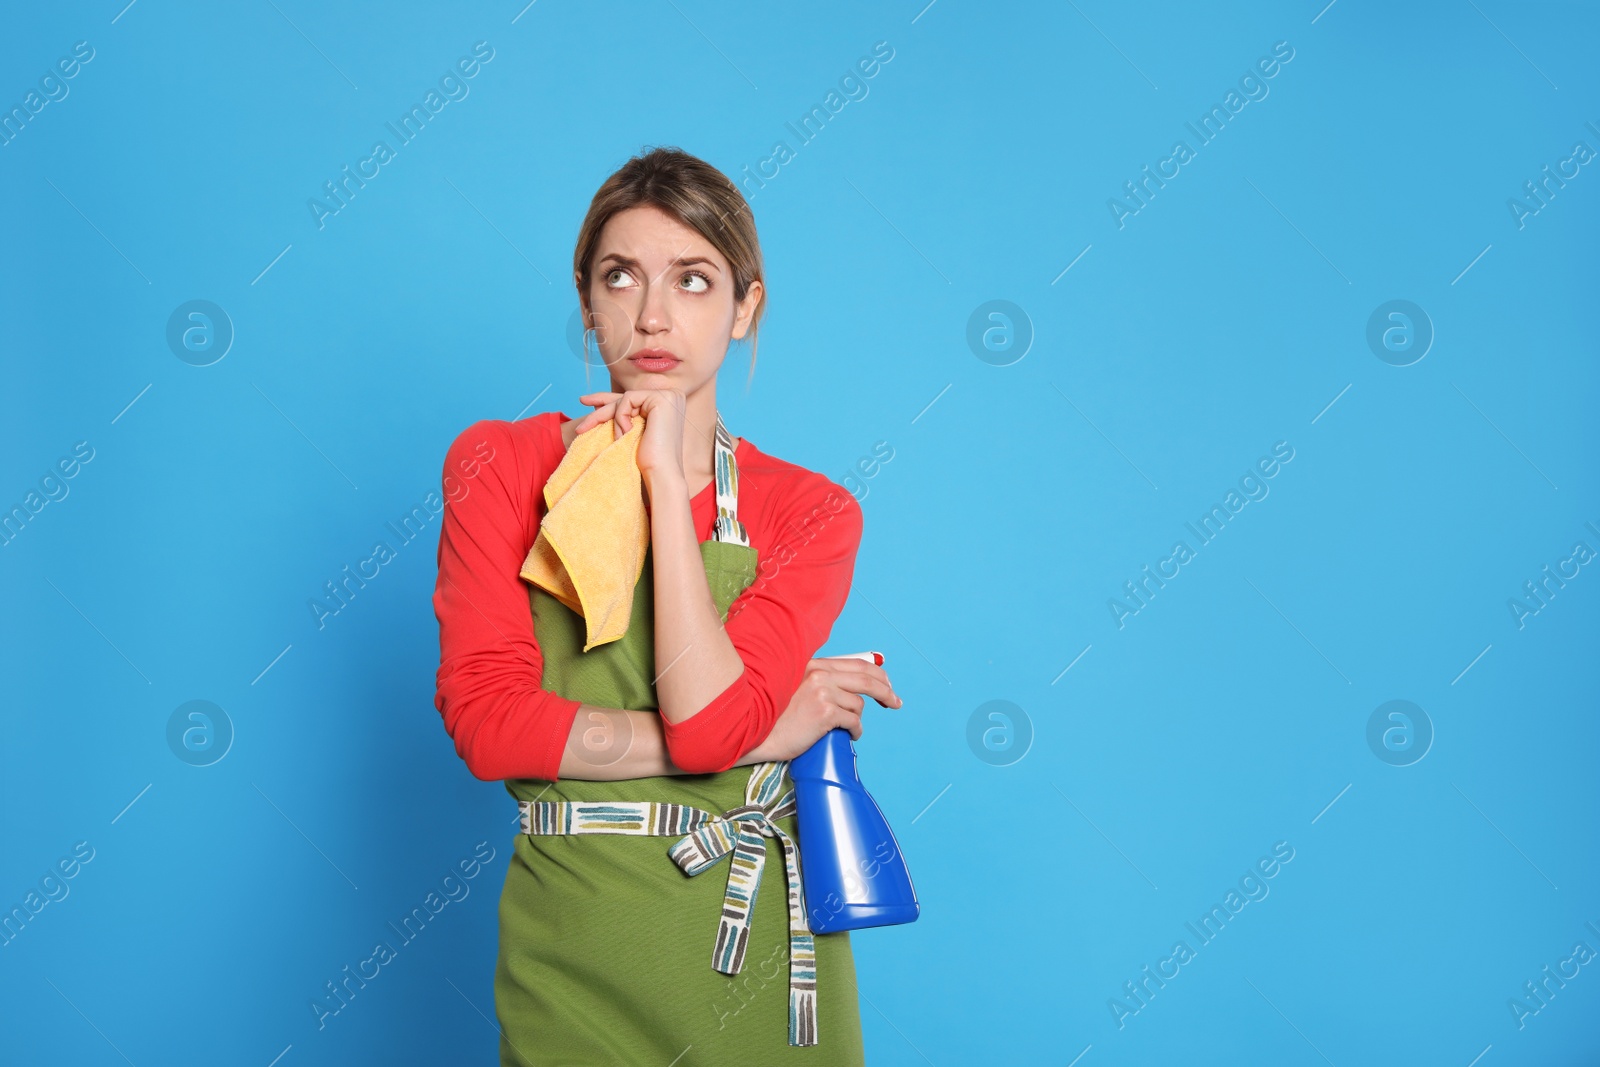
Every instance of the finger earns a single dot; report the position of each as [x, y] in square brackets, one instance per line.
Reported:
[841, 715]
[650, 399]
[847, 673]
[594, 418]
[858, 676]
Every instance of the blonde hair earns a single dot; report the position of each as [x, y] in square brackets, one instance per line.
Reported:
[695, 193]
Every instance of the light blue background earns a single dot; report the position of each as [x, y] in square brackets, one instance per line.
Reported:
[1228, 314]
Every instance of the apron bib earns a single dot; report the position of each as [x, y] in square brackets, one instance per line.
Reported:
[644, 920]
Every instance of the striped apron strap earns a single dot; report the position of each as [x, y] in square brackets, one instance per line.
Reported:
[705, 839]
[727, 526]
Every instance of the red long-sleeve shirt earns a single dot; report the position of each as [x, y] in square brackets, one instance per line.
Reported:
[806, 531]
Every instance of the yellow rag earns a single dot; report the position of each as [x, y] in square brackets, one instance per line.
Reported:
[591, 545]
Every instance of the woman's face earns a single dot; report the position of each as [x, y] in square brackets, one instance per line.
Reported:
[659, 289]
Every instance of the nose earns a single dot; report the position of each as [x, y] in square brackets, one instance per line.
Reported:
[654, 314]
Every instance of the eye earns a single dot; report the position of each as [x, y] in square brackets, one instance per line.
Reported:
[612, 273]
[705, 283]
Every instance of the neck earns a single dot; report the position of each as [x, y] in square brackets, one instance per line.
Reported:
[700, 435]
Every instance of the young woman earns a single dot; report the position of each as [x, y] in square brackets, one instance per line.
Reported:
[644, 918]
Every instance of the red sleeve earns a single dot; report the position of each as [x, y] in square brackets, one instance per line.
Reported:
[504, 724]
[776, 625]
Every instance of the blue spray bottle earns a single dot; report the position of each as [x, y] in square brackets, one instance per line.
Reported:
[851, 868]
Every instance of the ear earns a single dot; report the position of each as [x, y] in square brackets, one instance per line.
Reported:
[747, 309]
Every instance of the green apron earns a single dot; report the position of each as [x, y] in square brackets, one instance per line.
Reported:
[642, 946]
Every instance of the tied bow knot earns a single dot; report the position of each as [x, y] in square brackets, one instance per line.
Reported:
[736, 827]
[741, 832]
[707, 837]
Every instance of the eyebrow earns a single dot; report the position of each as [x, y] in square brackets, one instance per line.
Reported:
[629, 261]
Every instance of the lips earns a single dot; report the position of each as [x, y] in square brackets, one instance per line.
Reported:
[655, 360]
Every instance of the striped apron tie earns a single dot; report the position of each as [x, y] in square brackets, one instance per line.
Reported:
[705, 839]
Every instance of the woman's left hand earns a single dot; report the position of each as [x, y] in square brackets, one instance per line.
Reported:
[661, 450]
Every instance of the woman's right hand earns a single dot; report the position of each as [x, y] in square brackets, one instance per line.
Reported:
[829, 697]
